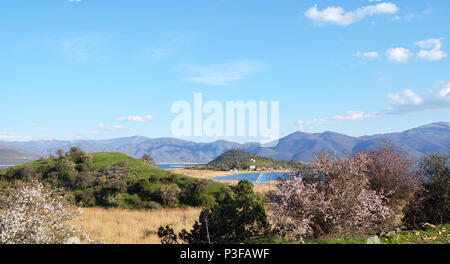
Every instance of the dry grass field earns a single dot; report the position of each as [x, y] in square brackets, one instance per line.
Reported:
[260, 188]
[121, 226]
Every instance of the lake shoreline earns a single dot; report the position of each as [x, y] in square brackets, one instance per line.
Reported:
[209, 174]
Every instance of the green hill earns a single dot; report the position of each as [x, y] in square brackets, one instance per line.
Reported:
[113, 180]
[243, 160]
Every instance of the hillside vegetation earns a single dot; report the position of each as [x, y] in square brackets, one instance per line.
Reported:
[113, 180]
[243, 160]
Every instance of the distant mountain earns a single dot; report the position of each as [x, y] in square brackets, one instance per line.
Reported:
[13, 156]
[162, 149]
[433, 138]
[302, 146]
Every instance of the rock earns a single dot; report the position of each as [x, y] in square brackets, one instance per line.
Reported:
[373, 240]
[427, 226]
[391, 233]
[73, 240]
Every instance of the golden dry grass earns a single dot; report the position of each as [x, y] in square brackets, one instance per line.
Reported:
[266, 187]
[121, 226]
[260, 188]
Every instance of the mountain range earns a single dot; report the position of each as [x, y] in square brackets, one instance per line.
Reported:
[300, 146]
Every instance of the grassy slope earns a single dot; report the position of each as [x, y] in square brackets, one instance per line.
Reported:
[105, 159]
[139, 168]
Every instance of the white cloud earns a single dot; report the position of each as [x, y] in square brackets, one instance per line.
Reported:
[338, 16]
[14, 137]
[400, 103]
[368, 55]
[316, 121]
[410, 102]
[398, 54]
[73, 1]
[407, 97]
[135, 118]
[412, 16]
[349, 116]
[431, 49]
[110, 128]
[224, 74]
[308, 124]
[354, 115]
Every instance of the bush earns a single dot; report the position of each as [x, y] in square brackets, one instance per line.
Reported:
[85, 180]
[128, 201]
[196, 194]
[168, 194]
[148, 159]
[21, 173]
[151, 205]
[240, 216]
[392, 175]
[80, 158]
[33, 215]
[329, 197]
[143, 188]
[65, 172]
[432, 203]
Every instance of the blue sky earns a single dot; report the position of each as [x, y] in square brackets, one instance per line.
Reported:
[94, 69]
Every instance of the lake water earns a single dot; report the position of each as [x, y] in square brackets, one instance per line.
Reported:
[173, 166]
[253, 177]
[170, 166]
[3, 167]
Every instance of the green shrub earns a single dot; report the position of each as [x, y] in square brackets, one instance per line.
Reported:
[143, 188]
[196, 194]
[82, 160]
[65, 171]
[168, 194]
[239, 216]
[432, 203]
[128, 201]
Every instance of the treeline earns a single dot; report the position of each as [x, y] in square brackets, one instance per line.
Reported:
[366, 193]
[115, 181]
[242, 160]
